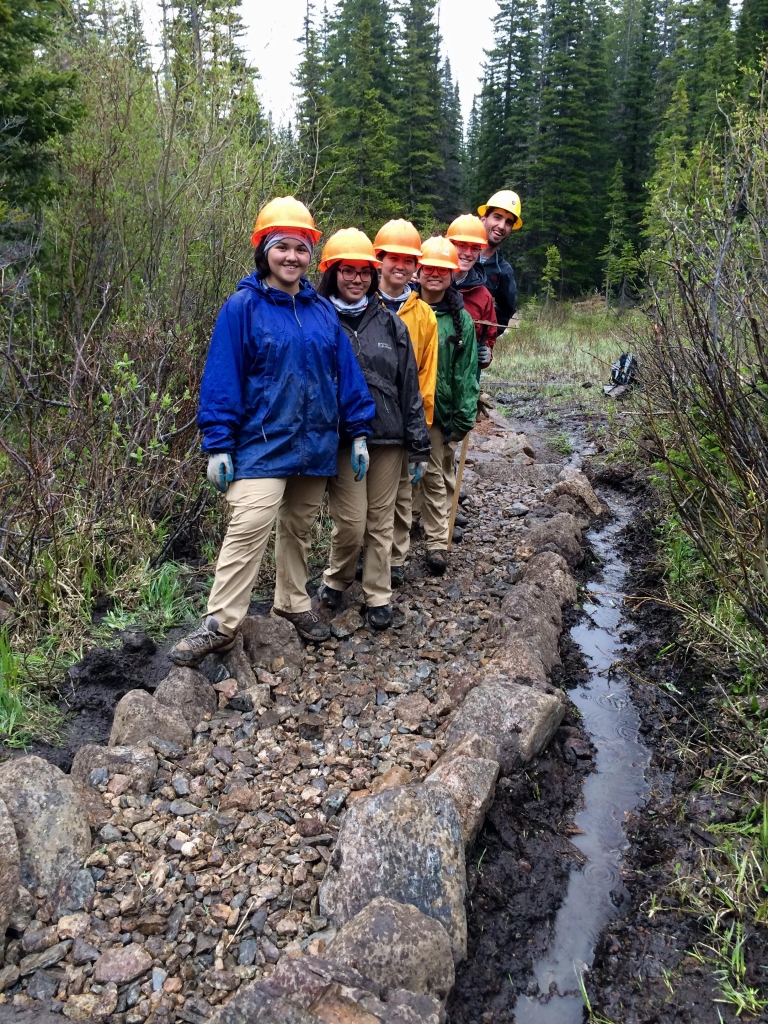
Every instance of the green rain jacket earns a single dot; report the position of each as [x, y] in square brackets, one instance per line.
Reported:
[457, 389]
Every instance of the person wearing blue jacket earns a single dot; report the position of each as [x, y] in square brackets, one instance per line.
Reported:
[280, 381]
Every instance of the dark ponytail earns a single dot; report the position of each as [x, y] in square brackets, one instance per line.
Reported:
[453, 301]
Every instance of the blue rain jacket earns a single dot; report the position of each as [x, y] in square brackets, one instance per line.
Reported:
[280, 380]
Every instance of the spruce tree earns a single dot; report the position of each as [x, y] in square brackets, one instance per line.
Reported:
[752, 32]
[314, 112]
[618, 257]
[419, 110]
[343, 35]
[705, 58]
[450, 178]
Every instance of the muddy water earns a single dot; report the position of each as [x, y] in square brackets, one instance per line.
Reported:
[616, 788]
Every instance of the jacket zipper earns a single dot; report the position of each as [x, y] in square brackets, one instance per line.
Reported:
[304, 360]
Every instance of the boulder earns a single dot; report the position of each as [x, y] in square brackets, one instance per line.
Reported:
[533, 615]
[139, 718]
[239, 667]
[471, 782]
[188, 691]
[272, 643]
[51, 825]
[516, 659]
[521, 720]
[573, 482]
[138, 763]
[549, 570]
[10, 878]
[471, 745]
[561, 534]
[406, 844]
[397, 946]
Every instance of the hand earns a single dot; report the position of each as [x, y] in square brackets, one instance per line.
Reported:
[220, 471]
[484, 356]
[416, 471]
[361, 460]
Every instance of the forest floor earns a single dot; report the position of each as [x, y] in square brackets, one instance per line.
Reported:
[685, 937]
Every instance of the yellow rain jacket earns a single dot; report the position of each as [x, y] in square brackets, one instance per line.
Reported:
[422, 327]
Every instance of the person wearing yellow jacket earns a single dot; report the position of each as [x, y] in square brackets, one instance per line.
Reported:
[398, 246]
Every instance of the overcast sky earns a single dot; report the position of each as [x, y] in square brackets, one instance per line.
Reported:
[274, 26]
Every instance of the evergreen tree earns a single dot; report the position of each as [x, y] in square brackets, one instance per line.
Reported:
[343, 36]
[314, 114]
[752, 31]
[705, 58]
[450, 178]
[470, 156]
[419, 110]
[618, 256]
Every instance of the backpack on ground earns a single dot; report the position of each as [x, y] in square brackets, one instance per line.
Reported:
[624, 370]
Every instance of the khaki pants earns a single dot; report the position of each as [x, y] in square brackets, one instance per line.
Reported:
[406, 504]
[363, 517]
[255, 505]
[437, 490]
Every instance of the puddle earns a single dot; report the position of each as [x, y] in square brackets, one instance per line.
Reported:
[615, 788]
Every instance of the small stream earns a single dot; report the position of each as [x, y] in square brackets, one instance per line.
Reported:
[615, 788]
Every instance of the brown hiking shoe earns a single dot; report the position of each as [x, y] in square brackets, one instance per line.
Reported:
[307, 624]
[437, 562]
[206, 639]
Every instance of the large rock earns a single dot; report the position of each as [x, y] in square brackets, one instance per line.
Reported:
[521, 720]
[10, 879]
[50, 822]
[407, 844]
[139, 717]
[561, 534]
[471, 782]
[397, 946]
[533, 615]
[549, 570]
[271, 643]
[138, 763]
[307, 990]
[517, 659]
[573, 482]
[189, 692]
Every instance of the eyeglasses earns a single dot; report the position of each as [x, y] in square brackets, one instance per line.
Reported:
[350, 273]
[435, 271]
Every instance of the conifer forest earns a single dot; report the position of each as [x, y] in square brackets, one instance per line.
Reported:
[610, 559]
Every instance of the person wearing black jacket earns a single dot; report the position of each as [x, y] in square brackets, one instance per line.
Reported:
[501, 215]
[363, 511]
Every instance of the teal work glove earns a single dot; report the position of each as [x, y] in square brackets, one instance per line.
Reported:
[220, 471]
[416, 471]
[361, 460]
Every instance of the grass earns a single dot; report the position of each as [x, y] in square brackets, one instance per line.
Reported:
[24, 711]
[567, 343]
[560, 443]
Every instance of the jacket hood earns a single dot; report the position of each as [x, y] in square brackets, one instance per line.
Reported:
[412, 299]
[474, 279]
[254, 283]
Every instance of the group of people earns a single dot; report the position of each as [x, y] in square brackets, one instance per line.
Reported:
[361, 387]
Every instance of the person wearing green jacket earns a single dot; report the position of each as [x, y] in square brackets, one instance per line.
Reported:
[456, 393]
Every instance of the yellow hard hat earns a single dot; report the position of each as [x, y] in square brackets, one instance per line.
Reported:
[506, 200]
[398, 236]
[348, 244]
[439, 252]
[284, 212]
[467, 228]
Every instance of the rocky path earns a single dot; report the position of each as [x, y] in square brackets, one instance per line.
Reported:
[245, 847]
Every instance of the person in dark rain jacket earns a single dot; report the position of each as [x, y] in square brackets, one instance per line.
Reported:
[365, 516]
[280, 380]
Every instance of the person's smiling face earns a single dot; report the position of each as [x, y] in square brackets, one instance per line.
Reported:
[288, 261]
[396, 272]
[353, 278]
[434, 282]
[468, 255]
[498, 225]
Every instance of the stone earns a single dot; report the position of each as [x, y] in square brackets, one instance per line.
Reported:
[517, 658]
[84, 953]
[122, 964]
[9, 975]
[471, 782]
[110, 834]
[73, 926]
[138, 763]
[10, 877]
[311, 726]
[246, 952]
[89, 1006]
[535, 616]
[139, 717]
[183, 808]
[573, 482]
[242, 798]
[470, 745]
[413, 709]
[48, 957]
[406, 844]
[36, 939]
[397, 946]
[82, 887]
[188, 691]
[562, 534]
[239, 667]
[50, 822]
[267, 640]
[42, 986]
[520, 720]
[549, 570]
[394, 776]
[346, 624]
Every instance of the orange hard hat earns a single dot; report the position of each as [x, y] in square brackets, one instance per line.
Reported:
[439, 252]
[284, 212]
[348, 244]
[398, 236]
[467, 228]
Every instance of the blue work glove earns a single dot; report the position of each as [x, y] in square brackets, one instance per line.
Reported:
[416, 471]
[361, 460]
[220, 471]
[484, 356]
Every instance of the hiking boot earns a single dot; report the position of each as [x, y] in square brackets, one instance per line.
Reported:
[460, 520]
[329, 596]
[437, 562]
[379, 618]
[458, 535]
[205, 640]
[307, 624]
[397, 575]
